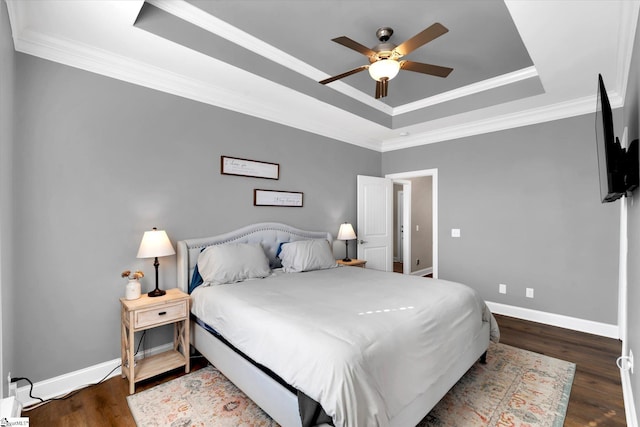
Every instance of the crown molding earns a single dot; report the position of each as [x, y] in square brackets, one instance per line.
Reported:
[89, 58]
[207, 22]
[214, 25]
[15, 11]
[626, 31]
[106, 63]
[210, 23]
[461, 92]
[528, 117]
[298, 110]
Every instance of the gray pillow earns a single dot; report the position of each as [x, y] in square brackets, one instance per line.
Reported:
[233, 262]
[307, 255]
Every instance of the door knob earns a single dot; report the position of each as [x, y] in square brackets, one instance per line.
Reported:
[362, 242]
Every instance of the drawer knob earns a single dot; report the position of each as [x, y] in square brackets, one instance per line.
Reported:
[162, 313]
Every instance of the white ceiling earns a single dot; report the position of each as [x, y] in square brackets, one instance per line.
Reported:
[515, 63]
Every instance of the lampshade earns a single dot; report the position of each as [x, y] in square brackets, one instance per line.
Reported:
[155, 243]
[346, 232]
[388, 68]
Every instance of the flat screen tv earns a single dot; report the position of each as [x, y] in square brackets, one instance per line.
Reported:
[618, 167]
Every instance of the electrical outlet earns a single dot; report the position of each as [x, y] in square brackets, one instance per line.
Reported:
[455, 232]
[417, 262]
[502, 288]
[13, 387]
[529, 292]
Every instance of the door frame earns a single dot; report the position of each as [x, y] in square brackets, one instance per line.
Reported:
[399, 229]
[401, 178]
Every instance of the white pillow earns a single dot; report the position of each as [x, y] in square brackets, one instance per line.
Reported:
[307, 255]
[232, 262]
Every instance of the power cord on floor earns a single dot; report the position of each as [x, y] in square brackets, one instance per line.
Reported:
[15, 380]
[72, 392]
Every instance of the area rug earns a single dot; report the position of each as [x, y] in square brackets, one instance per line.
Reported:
[516, 388]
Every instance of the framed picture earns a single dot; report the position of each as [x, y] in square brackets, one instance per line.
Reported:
[277, 198]
[252, 168]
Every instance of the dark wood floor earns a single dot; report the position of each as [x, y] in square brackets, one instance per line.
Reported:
[596, 395]
[398, 267]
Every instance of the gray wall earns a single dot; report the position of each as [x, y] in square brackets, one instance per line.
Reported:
[98, 161]
[7, 56]
[632, 121]
[527, 203]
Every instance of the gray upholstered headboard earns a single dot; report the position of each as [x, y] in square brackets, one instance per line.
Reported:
[269, 234]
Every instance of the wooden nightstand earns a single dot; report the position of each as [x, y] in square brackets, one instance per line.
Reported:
[146, 313]
[352, 263]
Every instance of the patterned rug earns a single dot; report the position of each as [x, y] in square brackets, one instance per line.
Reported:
[516, 388]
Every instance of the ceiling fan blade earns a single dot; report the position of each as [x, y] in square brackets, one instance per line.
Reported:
[340, 76]
[419, 67]
[424, 37]
[351, 44]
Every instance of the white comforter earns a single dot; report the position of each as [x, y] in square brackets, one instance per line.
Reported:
[362, 343]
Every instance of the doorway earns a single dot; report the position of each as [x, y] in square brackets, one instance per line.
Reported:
[398, 221]
[419, 229]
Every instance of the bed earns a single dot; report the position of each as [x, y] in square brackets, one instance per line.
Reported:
[371, 348]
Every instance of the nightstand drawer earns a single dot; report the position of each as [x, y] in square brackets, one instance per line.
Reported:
[156, 315]
[148, 312]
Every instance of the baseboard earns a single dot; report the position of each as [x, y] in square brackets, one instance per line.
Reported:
[66, 383]
[629, 402]
[573, 323]
[10, 408]
[422, 272]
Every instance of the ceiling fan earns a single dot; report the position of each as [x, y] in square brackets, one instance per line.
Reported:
[384, 57]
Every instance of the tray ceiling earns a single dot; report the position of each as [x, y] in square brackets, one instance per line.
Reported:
[515, 62]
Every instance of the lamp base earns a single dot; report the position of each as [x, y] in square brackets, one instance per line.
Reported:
[346, 259]
[156, 293]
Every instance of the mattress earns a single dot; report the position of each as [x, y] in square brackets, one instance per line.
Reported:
[362, 343]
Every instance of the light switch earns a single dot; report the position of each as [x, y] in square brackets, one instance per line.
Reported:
[455, 232]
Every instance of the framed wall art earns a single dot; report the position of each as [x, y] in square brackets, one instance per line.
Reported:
[277, 198]
[251, 168]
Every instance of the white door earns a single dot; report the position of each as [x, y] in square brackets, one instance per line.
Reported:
[375, 222]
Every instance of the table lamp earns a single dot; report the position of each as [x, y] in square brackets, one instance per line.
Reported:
[346, 233]
[155, 243]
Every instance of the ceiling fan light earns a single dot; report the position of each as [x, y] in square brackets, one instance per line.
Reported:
[382, 68]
